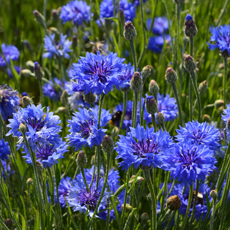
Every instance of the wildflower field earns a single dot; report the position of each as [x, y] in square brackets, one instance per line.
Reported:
[114, 114]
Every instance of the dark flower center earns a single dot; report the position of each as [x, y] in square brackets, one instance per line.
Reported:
[44, 152]
[89, 198]
[145, 146]
[187, 158]
[35, 123]
[199, 135]
[85, 129]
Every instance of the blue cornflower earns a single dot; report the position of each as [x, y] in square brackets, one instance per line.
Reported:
[189, 163]
[188, 17]
[63, 189]
[4, 149]
[156, 43]
[221, 38]
[226, 114]
[128, 9]
[52, 91]
[199, 134]
[9, 101]
[143, 148]
[126, 75]
[10, 52]
[96, 73]
[17, 69]
[42, 128]
[160, 25]
[167, 106]
[48, 154]
[84, 127]
[54, 48]
[76, 11]
[24, 94]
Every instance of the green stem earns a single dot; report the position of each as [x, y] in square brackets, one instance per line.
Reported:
[190, 82]
[178, 103]
[153, 200]
[188, 206]
[134, 118]
[225, 79]
[133, 54]
[125, 96]
[213, 215]
[41, 92]
[195, 199]
[83, 175]
[154, 121]
[91, 19]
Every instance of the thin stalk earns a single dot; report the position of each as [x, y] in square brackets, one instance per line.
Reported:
[195, 199]
[188, 207]
[191, 43]
[134, 118]
[44, 9]
[91, 19]
[125, 96]
[140, 97]
[133, 54]
[94, 172]
[83, 175]
[41, 92]
[178, 103]
[178, 7]
[153, 120]
[213, 215]
[225, 79]
[153, 201]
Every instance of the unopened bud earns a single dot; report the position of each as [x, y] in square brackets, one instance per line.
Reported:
[160, 118]
[55, 15]
[39, 167]
[107, 144]
[139, 181]
[22, 128]
[128, 207]
[146, 72]
[151, 105]
[39, 18]
[219, 103]
[53, 30]
[74, 41]
[30, 64]
[213, 194]
[81, 159]
[60, 110]
[228, 123]
[144, 217]
[90, 98]
[64, 98]
[170, 76]
[173, 202]
[136, 82]
[27, 73]
[189, 63]
[207, 118]
[190, 28]
[39, 74]
[129, 31]
[203, 86]
[221, 109]
[29, 181]
[153, 88]
[26, 101]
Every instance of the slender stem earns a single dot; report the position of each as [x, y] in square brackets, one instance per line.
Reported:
[195, 199]
[125, 96]
[225, 79]
[91, 19]
[41, 92]
[133, 54]
[213, 215]
[140, 97]
[190, 82]
[134, 118]
[188, 206]
[153, 201]
[178, 7]
[142, 22]
[153, 120]
[44, 9]
[178, 103]
[83, 175]
[94, 173]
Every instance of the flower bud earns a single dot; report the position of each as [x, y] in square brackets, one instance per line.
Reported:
[81, 159]
[160, 118]
[90, 98]
[170, 76]
[203, 86]
[189, 63]
[64, 98]
[27, 73]
[228, 123]
[213, 194]
[39, 167]
[39, 18]
[190, 28]
[151, 105]
[92, 160]
[207, 118]
[128, 207]
[30, 64]
[219, 103]
[74, 41]
[173, 203]
[53, 30]
[153, 88]
[129, 31]
[221, 109]
[144, 217]
[22, 128]
[136, 82]
[39, 74]
[139, 181]
[9, 223]
[146, 72]
[55, 15]
[107, 144]
[60, 110]
[26, 101]
[29, 181]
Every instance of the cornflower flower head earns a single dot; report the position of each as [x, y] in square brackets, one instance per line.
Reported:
[52, 91]
[57, 48]
[76, 11]
[84, 129]
[156, 43]
[167, 106]
[9, 101]
[10, 52]
[96, 73]
[220, 37]
[128, 9]
[41, 127]
[63, 189]
[143, 148]
[199, 134]
[4, 149]
[160, 25]
[126, 75]
[48, 154]
[188, 162]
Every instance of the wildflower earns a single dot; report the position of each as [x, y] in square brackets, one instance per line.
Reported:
[96, 73]
[9, 101]
[156, 43]
[52, 91]
[54, 48]
[63, 189]
[10, 52]
[143, 148]
[4, 149]
[167, 106]
[199, 134]
[128, 9]
[76, 11]
[126, 75]
[84, 127]
[188, 162]
[41, 127]
[160, 25]
[190, 28]
[220, 37]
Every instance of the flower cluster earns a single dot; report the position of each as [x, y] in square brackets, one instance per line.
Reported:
[10, 52]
